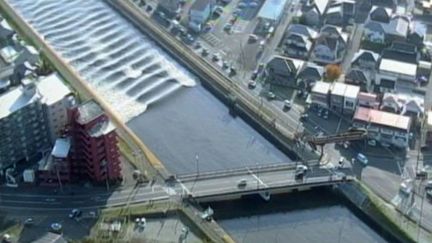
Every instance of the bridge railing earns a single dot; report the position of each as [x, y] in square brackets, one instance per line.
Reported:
[237, 171]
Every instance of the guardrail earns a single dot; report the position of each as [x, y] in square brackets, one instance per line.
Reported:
[311, 182]
[235, 171]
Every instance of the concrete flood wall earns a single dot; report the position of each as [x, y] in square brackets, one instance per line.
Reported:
[363, 204]
[225, 89]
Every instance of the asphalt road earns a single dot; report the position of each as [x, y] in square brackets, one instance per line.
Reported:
[41, 202]
[218, 186]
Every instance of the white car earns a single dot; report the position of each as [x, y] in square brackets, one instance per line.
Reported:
[362, 159]
[406, 186]
[287, 104]
[372, 142]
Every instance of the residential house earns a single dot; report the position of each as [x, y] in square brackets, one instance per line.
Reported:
[320, 94]
[199, 13]
[330, 46]
[397, 69]
[271, 12]
[396, 29]
[417, 33]
[343, 97]
[6, 32]
[170, 7]
[384, 127]
[283, 71]
[391, 72]
[359, 77]
[298, 41]
[313, 12]
[380, 14]
[404, 104]
[340, 12]
[392, 4]
[337, 96]
[309, 75]
[368, 100]
[374, 32]
[365, 60]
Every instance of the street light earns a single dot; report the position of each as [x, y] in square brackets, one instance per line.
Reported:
[197, 163]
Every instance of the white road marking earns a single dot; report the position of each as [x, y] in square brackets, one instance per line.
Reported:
[257, 178]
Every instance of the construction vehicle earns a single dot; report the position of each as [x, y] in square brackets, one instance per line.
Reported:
[350, 135]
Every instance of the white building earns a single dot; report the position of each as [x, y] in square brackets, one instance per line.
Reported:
[57, 98]
[199, 13]
[391, 72]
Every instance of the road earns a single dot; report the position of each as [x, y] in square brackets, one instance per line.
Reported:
[42, 202]
[254, 181]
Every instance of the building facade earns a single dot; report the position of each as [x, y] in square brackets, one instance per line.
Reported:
[384, 127]
[94, 151]
[23, 126]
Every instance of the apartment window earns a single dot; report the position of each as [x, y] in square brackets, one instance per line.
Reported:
[349, 104]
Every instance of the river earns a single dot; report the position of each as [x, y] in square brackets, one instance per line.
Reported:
[319, 215]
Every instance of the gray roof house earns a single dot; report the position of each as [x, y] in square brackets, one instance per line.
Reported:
[365, 59]
[6, 31]
[340, 12]
[313, 12]
[169, 7]
[380, 14]
[417, 33]
[330, 46]
[283, 70]
[359, 77]
[396, 29]
[298, 41]
[310, 74]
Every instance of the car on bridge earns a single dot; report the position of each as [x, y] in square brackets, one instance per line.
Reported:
[242, 183]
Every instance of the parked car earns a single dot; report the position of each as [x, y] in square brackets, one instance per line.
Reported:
[287, 105]
[271, 95]
[75, 213]
[252, 38]
[252, 84]
[428, 185]
[56, 227]
[406, 187]
[304, 117]
[362, 159]
[29, 221]
[372, 142]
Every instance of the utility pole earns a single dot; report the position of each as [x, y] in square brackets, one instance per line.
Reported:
[197, 163]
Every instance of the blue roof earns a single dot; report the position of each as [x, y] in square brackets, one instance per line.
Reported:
[272, 9]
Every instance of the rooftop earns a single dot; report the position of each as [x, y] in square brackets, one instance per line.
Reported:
[394, 66]
[61, 148]
[321, 87]
[272, 9]
[89, 111]
[8, 54]
[382, 118]
[52, 89]
[345, 90]
[200, 5]
[14, 100]
[101, 128]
